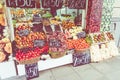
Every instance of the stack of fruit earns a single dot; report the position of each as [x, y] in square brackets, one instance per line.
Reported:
[55, 20]
[57, 46]
[88, 39]
[74, 31]
[109, 36]
[29, 55]
[78, 44]
[67, 24]
[5, 49]
[98, 38]
[27, 51]
[47, 15]
[27, 40]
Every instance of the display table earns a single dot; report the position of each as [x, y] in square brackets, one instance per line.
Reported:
[47, 64]
[7, 69]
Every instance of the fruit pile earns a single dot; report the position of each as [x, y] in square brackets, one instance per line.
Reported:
[99, 38]
[57, 44]
[74, 31]
[4, 32]
[88, 39]
[67, 24]
[27, 40]
[2, 56]
[78, 44]
[110, 36]
[55, 21]
[66, 15]
[30, 53]
[22, 27]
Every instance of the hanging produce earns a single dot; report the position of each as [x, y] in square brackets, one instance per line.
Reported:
[94, 14]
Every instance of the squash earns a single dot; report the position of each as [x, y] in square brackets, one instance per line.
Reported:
[8, 48]
[2, 56]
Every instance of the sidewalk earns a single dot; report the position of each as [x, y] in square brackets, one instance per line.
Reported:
[105, 70]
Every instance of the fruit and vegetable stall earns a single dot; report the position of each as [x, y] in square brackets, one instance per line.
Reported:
[51, 33]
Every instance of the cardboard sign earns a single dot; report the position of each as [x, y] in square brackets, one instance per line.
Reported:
[81, 58]
[21, 3]
[31, 70]
[24, 32]
[77, 4]
[39, 43]
[55, 43]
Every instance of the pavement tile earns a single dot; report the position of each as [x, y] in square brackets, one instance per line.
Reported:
[62, 71]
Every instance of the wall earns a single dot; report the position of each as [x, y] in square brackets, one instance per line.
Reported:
[116, 21]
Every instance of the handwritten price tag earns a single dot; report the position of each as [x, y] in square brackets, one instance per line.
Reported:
[24, 32]
[55, 43]
[52, 3]
[81, 58]
[39, 43]
[21, 3]
[46, 3]
[81, 35]
[31, 70]
[77, 4]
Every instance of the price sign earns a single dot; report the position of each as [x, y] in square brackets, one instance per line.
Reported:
[52, 3]
[39, 43]
[55, 43]
[56, 3]
[31, 70]
[81, 58]
[37, 18]
[81, 34]
[77, 4]
[46, 3]
[21, 3]
[24, 32]
[11, 3]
